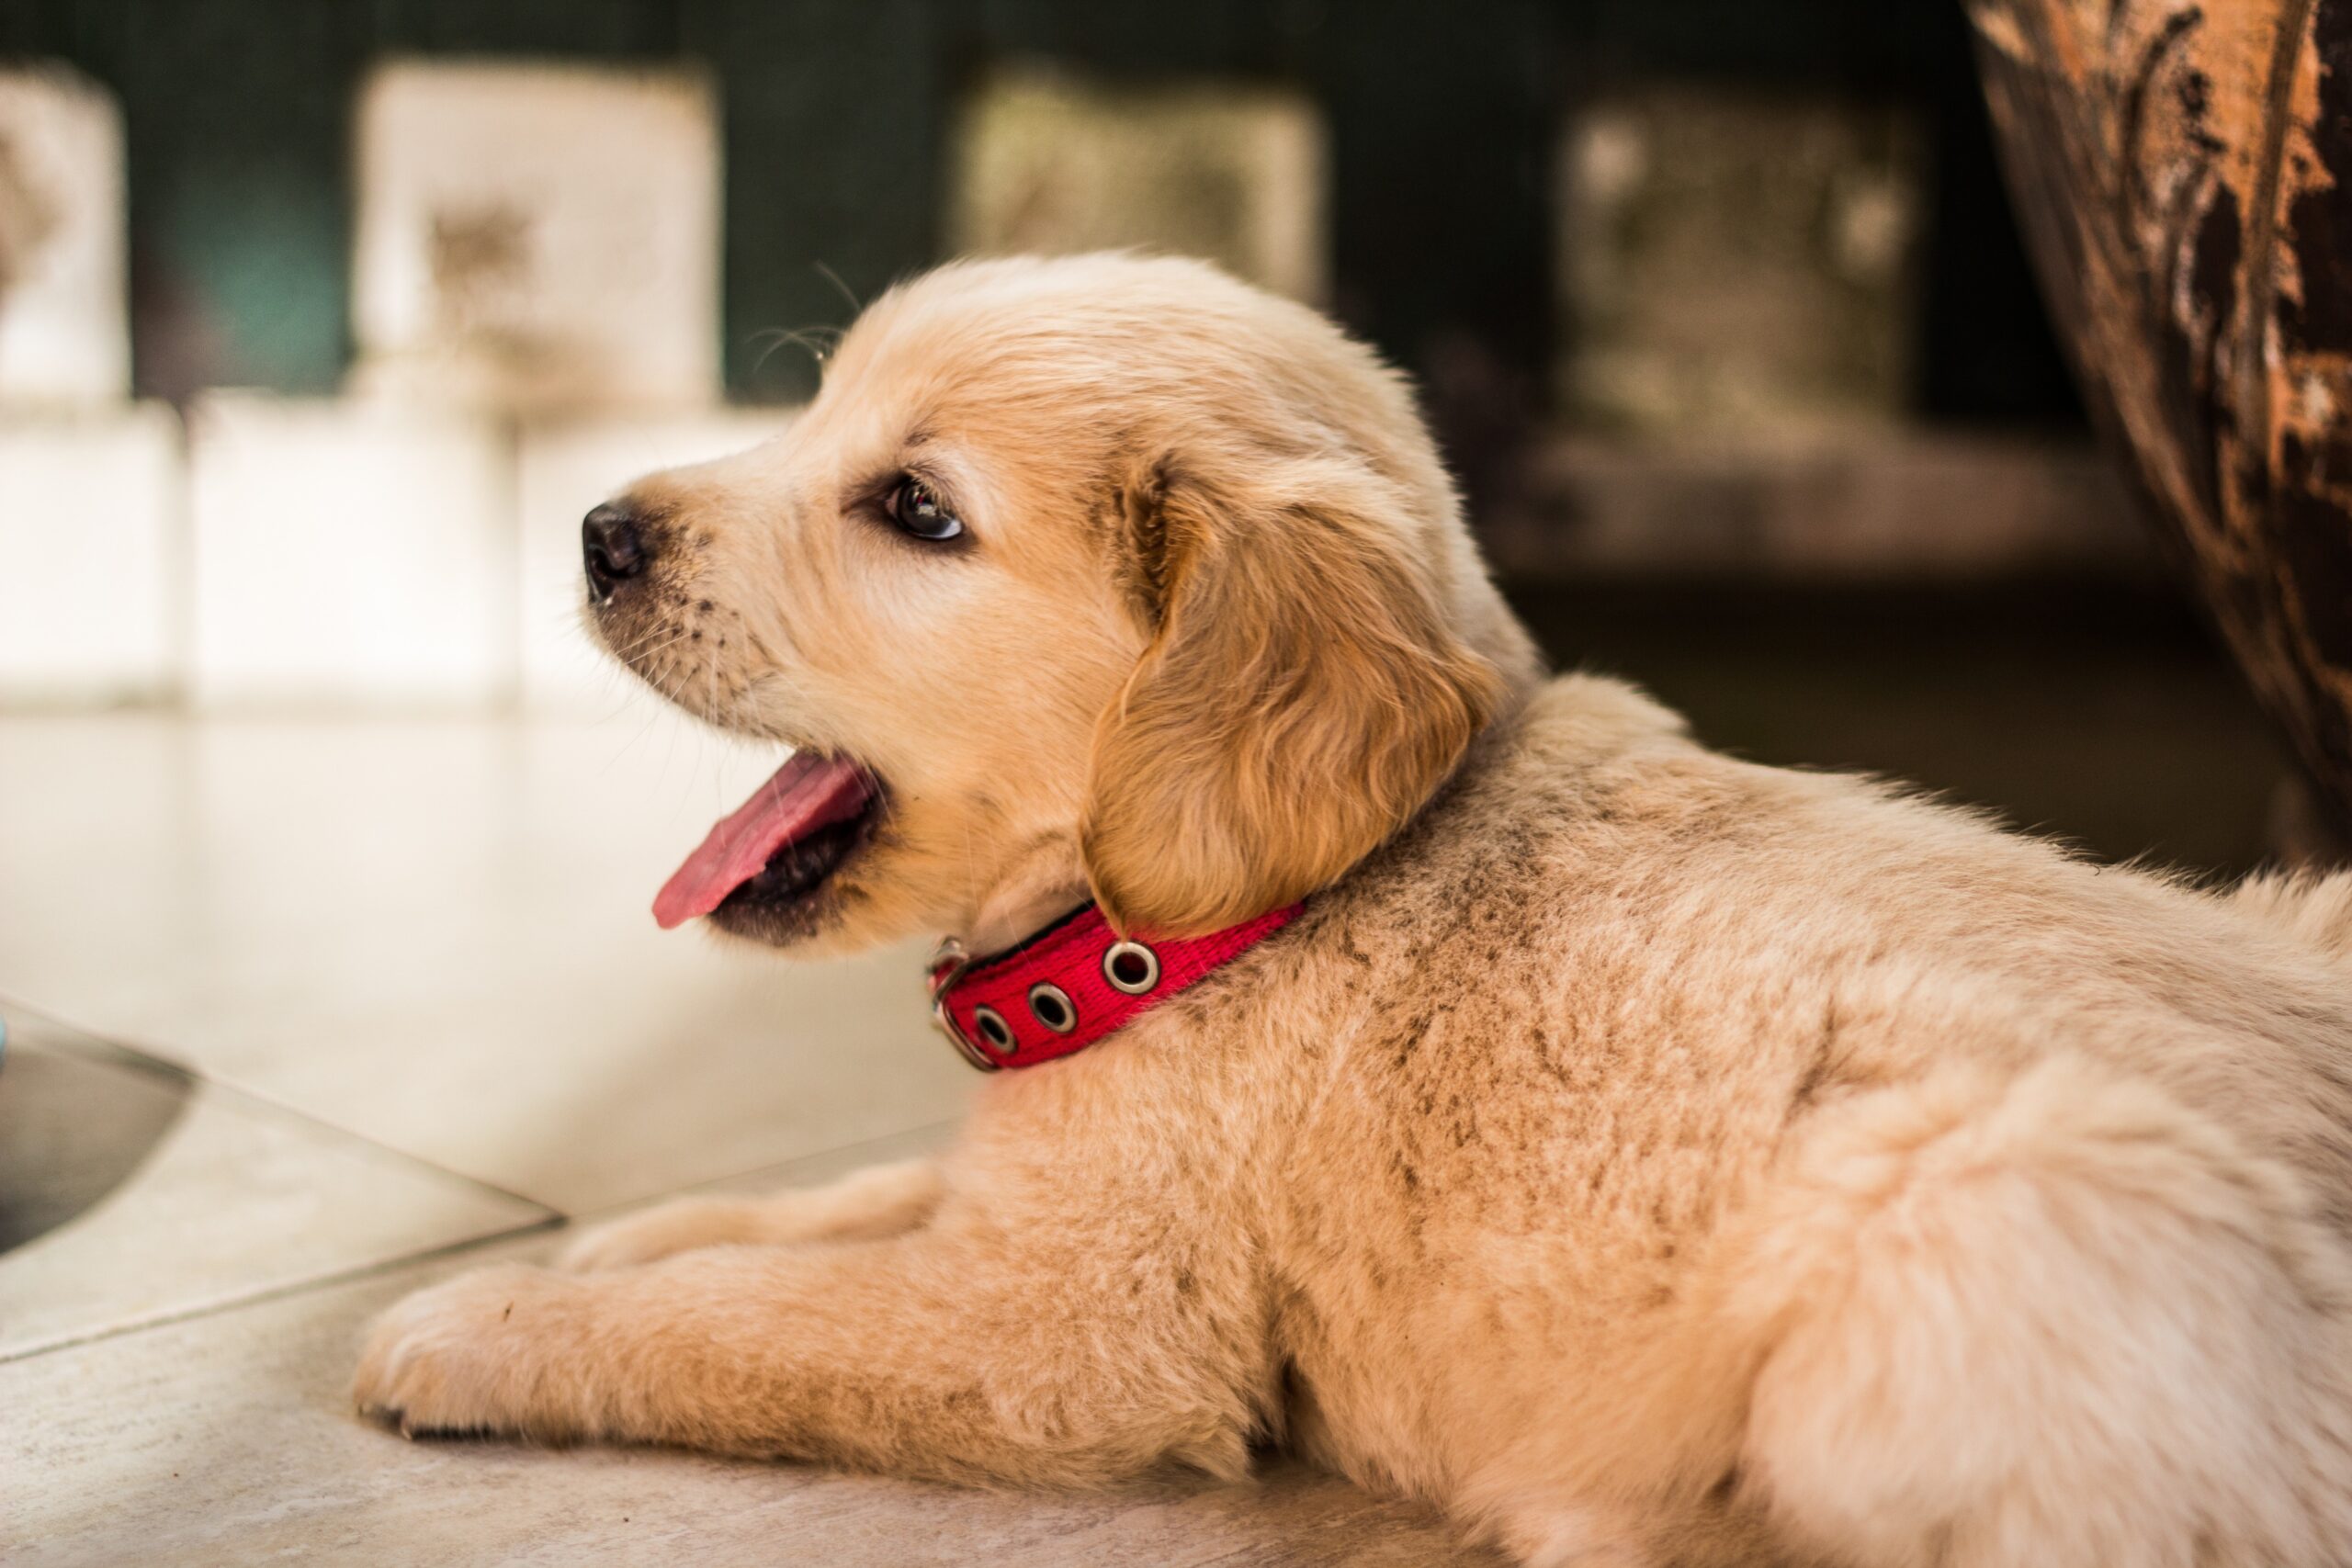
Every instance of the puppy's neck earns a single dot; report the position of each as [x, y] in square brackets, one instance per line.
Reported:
[1045, 883]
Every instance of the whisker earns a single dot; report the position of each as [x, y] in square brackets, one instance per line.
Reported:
[857, 306]
[804, 339]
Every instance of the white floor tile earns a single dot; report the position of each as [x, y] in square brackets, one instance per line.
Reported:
[434, 933]
[564, 469]
[91, 555]
[169, 1196]
[346, 551]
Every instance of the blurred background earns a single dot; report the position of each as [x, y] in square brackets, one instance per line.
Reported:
[320, 325]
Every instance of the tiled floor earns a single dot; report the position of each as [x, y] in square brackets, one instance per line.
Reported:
[354, 1004]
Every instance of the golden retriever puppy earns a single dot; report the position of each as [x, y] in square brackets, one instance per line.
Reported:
[1648, 1158]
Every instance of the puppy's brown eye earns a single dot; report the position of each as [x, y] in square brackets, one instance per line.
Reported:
[916, 508]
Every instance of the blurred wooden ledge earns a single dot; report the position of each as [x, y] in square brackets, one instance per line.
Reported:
[1925, 506]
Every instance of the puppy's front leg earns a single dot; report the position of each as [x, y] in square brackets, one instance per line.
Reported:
[880, 1201]
[951, 1353]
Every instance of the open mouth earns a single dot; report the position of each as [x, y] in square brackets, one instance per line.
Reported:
[775, 851]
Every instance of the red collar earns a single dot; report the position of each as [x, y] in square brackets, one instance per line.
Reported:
[1071, 985]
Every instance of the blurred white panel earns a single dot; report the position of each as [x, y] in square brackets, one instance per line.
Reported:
[565, 469]
[1739, 264]
[65, 337]
[350, 552]
[90, 572]
[538, 236]
[1047, 163]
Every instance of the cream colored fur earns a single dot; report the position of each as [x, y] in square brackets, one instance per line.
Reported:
[1649, 1157]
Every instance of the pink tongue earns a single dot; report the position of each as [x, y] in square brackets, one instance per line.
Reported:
[807, 793]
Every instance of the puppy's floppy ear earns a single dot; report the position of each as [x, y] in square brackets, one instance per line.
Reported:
[1303, 697]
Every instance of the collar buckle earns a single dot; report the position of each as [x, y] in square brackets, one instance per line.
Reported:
[949, 961]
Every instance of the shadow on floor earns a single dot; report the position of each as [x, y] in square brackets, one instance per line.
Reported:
[72, 1131]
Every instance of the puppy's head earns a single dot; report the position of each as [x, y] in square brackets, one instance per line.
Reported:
[1102, 574]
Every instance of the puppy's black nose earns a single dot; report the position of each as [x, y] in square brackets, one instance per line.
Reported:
[613, 549]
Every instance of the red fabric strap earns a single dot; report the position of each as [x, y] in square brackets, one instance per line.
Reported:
[1073, 983]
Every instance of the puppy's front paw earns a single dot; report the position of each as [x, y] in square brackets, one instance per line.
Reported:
[679, 1226]
[495, 1350]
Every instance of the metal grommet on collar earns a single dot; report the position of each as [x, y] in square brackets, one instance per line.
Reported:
[1131, 967]
[1051, 1005]
[995, 1033]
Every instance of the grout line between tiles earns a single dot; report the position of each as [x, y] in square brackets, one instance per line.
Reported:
[281, 1293]
[153, 1061]
[145, 1059]
[156, 1061]
[552, 1219]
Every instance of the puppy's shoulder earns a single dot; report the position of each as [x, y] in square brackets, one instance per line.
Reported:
[1585, 719]
[1586, 752]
